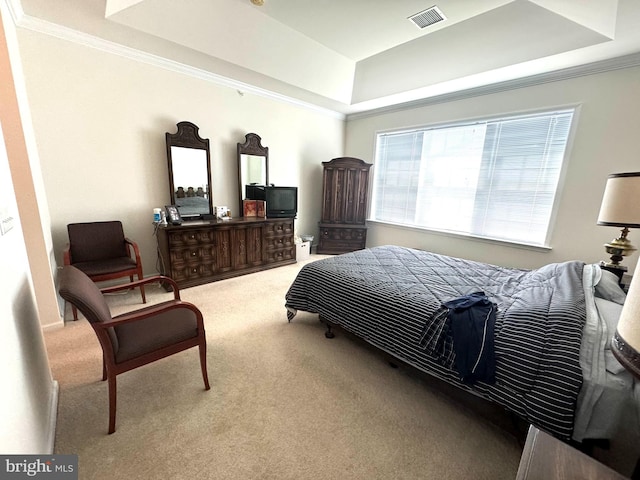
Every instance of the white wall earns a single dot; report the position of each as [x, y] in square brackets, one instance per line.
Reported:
[29, 398]
[28, 404]
[100, 121]
[606, 141]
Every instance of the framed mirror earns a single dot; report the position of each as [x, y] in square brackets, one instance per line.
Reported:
[253, 164]
[189, 171]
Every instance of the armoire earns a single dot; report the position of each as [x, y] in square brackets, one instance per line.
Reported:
[345, 195]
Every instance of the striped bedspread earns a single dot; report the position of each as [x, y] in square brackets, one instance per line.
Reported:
[385, 295]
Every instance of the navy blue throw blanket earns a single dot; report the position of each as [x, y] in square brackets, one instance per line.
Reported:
[472, 320]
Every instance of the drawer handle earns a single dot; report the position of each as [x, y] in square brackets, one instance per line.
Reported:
[194, 270]
[193, 254]
[192, 237]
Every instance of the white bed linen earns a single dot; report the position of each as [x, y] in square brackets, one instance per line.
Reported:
[605, 392]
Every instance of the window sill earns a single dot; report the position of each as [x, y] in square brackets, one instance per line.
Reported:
[505, 243]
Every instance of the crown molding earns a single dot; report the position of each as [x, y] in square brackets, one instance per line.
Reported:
[28, 22]
[603, 66]
[15, 9]
[35, 24]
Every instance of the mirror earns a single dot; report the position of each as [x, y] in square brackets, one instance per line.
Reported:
[189, 171]
[253, 164]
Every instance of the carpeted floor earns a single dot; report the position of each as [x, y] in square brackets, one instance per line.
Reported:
[285, 403]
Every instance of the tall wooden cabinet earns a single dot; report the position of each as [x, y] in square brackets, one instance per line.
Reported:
[345, 194]
[205, 251]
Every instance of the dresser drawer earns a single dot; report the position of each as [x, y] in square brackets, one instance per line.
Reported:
[277, 243]
[336, 240]
[280, 255]
[284, 227]
[348, 234]
[203, 253]
[339, 246]
[185, 272]
[191, 237]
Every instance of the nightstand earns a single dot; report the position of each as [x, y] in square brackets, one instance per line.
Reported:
[546, 458]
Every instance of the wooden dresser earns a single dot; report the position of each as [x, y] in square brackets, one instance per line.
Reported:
[206, 251]
[345, 193]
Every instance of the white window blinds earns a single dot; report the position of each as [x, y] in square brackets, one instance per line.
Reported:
[496, 178]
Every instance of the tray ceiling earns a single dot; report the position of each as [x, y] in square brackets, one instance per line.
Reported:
[360, 54]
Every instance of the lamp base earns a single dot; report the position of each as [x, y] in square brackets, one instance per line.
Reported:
[628, 356]
[619, 248]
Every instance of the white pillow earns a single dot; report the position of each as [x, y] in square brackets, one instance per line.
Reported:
[612, 364]
[610, 313]
[609, 288]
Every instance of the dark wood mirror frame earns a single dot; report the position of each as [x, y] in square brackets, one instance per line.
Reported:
[187, 137]
[252, 147]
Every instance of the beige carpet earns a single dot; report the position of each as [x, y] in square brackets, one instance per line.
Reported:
[285, 403]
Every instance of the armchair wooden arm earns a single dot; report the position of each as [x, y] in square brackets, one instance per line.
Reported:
[152, 311]
[134, 246]
[163, 280]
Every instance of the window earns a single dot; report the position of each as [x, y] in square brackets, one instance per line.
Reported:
[495, 178]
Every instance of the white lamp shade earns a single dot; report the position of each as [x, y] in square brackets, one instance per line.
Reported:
[629, 322]
[621, 201]
[625, 344]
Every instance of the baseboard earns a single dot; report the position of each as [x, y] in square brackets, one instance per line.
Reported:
[50, 441]
[53, 326]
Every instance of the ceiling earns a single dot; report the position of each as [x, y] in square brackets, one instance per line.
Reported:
[355, 55]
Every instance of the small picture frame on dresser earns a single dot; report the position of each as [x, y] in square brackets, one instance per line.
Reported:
[250, 208]
[222, 213]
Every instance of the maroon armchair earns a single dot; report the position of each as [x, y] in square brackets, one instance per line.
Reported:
[139, 337]
[102, 252]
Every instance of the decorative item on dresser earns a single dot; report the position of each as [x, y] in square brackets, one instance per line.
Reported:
[345, 186]
[206, 251]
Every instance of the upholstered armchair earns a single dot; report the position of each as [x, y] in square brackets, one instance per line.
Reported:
[139, 337]
[102, 252]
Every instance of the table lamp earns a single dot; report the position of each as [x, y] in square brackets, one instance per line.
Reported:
[620, 208]
[625, 343]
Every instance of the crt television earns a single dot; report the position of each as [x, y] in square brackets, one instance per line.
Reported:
[281, 202]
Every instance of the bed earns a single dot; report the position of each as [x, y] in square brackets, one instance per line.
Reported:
[550, 336]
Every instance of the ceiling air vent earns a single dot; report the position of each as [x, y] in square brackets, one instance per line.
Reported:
[428, 17]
